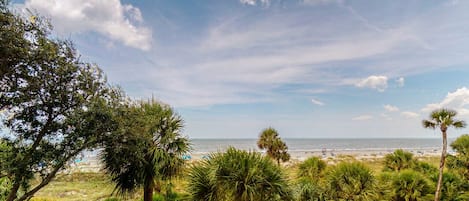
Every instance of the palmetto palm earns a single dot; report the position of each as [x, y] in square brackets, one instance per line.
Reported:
[350, 181]
[398, 160]
[147, 149]
[309, 174]
[312, 167]
[276, 148]
[442, 119]
[410, 185]
[238, 175]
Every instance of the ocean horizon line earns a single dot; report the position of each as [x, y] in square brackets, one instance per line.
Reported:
[345, 138]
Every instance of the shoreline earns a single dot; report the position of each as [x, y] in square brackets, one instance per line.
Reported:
[92, 164]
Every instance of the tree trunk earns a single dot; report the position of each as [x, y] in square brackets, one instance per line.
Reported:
[14, 190]
[442, 166]
[148, 191]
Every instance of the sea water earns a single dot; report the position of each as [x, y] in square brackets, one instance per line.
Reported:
[308, 145]
[301, 148]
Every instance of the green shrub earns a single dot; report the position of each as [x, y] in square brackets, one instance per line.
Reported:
[350, 181]
[309, 190]
[425, 168]
[398, 160]
[238, 175]
[410, 185]
[312, 168]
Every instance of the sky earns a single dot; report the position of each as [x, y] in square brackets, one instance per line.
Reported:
[308, 68]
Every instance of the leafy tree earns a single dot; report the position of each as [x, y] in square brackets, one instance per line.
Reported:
[442, 119]
[54, 105]
[238, 175]
[398, 160]
[146, 149]
[14, 45]
[350, 181]
[460, 162]
[276, 148]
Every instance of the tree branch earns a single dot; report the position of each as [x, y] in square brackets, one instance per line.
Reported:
[50, 176]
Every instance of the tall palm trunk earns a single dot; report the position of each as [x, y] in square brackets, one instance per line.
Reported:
[148, 191]
[442, 166]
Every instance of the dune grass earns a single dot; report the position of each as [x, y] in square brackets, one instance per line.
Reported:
[76, 187]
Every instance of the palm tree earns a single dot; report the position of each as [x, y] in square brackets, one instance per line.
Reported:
[350, 181]
[312, 167]
[147, 149]
[276, 148]
[443, 119]
[410, 185]
[398, 160]
[238, 175]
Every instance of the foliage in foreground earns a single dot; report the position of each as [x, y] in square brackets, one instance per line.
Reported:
[146, 149]
[238, 175]
[309, 174]
[350, 181]
[53, 105]
[442, 119]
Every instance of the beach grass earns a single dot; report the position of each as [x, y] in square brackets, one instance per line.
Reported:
[76, 187]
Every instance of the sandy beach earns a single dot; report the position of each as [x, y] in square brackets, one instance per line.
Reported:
[92, 164]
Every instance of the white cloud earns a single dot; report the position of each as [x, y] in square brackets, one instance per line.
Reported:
[386, 116]
[377, 82]
[317, 102]
[400, 82]
[410, 115]
[243, 57]
[391, 108]
[457, 100]
[119, 22]
[254, 2]
[316, 2]
[362, 117]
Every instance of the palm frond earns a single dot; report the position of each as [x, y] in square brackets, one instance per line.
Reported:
[459, 124]
[429, 124]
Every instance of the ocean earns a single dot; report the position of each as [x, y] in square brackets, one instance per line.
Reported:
[314, 145]
[301, 148]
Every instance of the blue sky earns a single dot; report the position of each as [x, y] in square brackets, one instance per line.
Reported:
[309, 68]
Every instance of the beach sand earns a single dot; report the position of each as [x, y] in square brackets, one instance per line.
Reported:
[92, 164]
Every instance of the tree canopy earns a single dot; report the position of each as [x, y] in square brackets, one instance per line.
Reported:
[53, 104]
[276, 148]
[147, 147]
[442, 119]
